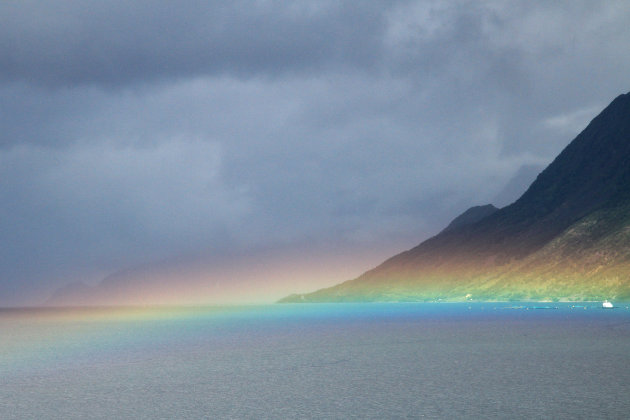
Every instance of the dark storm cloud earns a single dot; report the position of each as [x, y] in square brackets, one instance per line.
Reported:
[133, 132]
[117, 43]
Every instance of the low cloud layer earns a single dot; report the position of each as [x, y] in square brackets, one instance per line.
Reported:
[137, 133]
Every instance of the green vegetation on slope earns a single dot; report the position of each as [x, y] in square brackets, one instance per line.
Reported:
[567, 237]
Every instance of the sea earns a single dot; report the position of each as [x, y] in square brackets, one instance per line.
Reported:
[323, 361]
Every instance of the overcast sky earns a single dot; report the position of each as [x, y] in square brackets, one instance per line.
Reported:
[137, 132]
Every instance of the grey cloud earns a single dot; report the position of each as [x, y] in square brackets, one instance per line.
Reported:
[116, 43]
[107, 206]
[136, 132]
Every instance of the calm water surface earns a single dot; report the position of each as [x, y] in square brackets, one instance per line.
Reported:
[317, 361]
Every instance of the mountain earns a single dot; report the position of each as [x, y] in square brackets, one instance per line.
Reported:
[167, 282]
[470, 216]
[258, 276]
[521, 180]
[567, 237]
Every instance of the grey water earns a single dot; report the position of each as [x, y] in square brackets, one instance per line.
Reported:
[398, 360]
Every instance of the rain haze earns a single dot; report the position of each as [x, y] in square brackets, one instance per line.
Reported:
[276, 146]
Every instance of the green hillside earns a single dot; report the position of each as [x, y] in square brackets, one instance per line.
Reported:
[567, 237]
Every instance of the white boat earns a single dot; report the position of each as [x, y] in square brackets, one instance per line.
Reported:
[607, 305]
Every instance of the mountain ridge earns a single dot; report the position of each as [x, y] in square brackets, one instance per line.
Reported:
[527, 249]
[472, 215]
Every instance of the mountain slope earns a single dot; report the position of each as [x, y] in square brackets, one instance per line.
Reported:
[470, 216]
[515, 187]
[566, 237]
